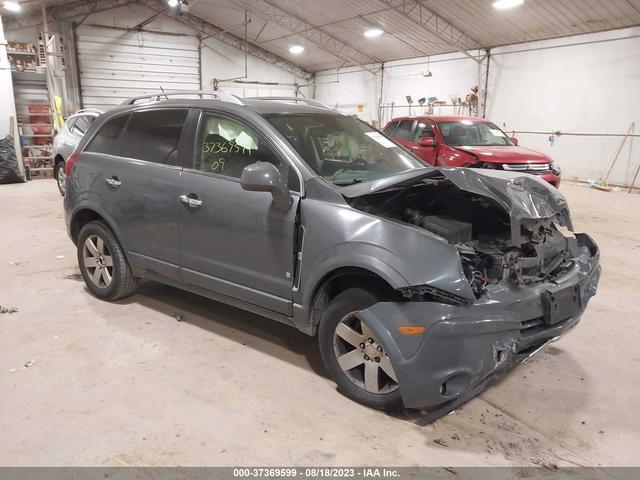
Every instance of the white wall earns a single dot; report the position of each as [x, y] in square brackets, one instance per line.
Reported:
[348, 88]
[587, 83]
[453, 75]
[222, 61]
[7, 107]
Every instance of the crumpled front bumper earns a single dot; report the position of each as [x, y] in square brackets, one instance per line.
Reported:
[464, 348]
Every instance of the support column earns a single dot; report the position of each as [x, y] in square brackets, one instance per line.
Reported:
[483, 80]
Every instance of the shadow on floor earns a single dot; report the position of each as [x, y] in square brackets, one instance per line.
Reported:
[240, 326]
[286, 343]
[250, 330]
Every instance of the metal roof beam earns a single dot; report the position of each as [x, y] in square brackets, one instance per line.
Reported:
[436, 25]
[311, 33]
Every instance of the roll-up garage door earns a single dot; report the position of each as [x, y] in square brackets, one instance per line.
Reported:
[118, 64]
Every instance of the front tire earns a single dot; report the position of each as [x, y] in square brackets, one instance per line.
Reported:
[61, 177]
[352, 354]
[102, 262]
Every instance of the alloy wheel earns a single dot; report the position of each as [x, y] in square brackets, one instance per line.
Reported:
[98, 261]
[361, 357]
[62, 177]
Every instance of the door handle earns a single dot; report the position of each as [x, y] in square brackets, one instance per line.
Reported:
[190, 200]
[113, 182]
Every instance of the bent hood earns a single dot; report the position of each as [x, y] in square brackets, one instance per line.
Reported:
[506, 154]
[522, 196]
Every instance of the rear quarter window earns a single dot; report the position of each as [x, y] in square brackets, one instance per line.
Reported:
[107, 138]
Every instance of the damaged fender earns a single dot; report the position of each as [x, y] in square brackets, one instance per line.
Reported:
[464, 346]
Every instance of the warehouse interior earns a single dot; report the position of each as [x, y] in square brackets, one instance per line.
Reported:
[168, 378]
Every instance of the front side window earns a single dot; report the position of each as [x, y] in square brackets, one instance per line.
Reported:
[404, 129]
[468, 133]
[107, 138]
[342, 149]
[153, 135]
[226, 146]
[423, 129]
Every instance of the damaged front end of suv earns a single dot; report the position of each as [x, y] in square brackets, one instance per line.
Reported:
[517, 278]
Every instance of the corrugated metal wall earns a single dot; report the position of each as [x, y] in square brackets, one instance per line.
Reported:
[117, 64]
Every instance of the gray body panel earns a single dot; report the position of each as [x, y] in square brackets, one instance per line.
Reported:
[237, 243]
[237, 247]
[336, 235]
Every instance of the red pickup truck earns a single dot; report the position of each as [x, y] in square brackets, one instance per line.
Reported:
[469, 142]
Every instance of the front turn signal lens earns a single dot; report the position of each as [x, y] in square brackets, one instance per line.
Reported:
[410, 330]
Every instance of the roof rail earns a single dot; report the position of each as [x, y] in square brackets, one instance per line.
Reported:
[83, 110]
[308, 101]
[222, 96]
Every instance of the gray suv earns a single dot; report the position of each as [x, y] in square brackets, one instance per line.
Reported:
[423, 285]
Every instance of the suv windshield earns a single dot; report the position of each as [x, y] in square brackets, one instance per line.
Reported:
[469, 134]
[342, 149]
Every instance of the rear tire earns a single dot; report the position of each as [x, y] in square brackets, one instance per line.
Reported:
[102, 262]
[353, 356]
[60, 177]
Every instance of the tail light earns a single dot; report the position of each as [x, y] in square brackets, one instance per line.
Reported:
[70, 161]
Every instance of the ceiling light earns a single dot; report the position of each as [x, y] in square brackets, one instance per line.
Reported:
[173, 3]
[296, 49]
[504, 4]
[373, 32]
[12, 6]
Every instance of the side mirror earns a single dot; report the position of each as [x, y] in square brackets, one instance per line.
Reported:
[265, 177]
[426, 142]
[514, 140]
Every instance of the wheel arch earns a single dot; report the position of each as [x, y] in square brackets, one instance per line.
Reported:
[340, 279]
[57, 159]
[88, 213]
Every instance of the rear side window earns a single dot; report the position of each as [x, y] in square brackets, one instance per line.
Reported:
[154, 135]
[107, 138]
[404, 129]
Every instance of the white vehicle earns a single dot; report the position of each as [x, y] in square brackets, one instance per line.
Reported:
[66, 141]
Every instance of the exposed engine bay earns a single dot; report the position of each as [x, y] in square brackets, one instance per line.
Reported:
[493, 246]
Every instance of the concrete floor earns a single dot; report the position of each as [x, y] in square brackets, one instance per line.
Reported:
[126, 384]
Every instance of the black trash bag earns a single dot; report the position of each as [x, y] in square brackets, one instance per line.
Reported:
[9, 168]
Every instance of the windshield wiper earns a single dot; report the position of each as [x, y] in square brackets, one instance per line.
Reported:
[350, 182]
